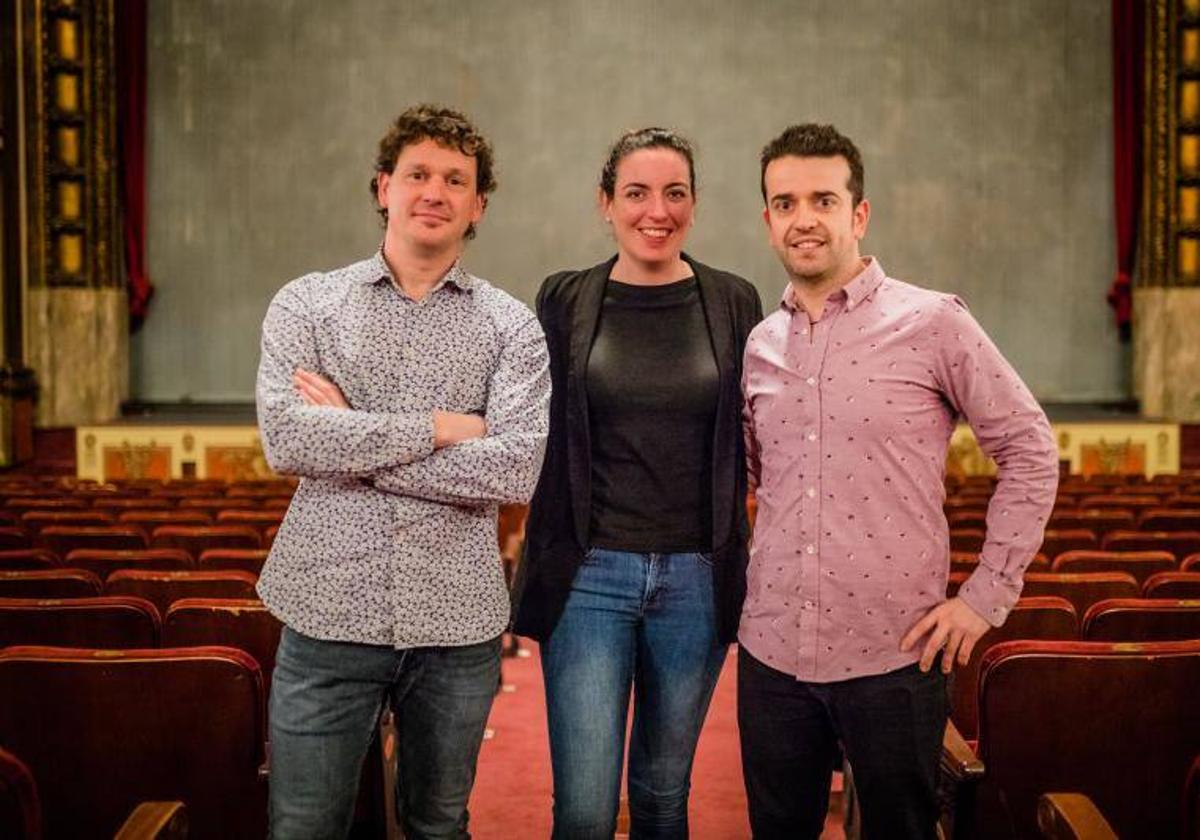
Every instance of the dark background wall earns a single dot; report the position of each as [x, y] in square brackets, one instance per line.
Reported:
[985, 127]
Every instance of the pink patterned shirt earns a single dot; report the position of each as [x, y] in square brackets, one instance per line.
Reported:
[847, 425]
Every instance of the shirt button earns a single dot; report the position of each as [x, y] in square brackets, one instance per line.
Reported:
[811, 381]
[812, 435]
[810, 548]
[811, 493]
[808, 605]
[804, 331]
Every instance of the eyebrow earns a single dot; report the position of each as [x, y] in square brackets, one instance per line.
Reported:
[640, 185]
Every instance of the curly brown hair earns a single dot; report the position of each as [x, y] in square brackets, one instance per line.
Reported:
[446, 127]
[813, 140]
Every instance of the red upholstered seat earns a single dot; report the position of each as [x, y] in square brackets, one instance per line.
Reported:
[46, 502]
[246, 559]
[1097, 520]
[104, 563]
[1116, 722]
[1122, 501]
[1140, 564]
[214, 503]
[260, 520]
[1190, 563]
[165, 588]
[27, 558]
[243, 624]
[20, 811]
[199, 538]
[116, 503]
[104, 622]
[1083, 589]
[1044, 617]
[50, 583]
[1055, 542]
[1179, 543]
[36, 520]
[63, 539]
[1174, 519]
[966, 539]
[967, 519]
[148, 520]
[1142, 620]
[104, 731]
[1172, 585]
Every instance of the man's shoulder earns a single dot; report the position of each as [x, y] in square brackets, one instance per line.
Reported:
[503, 306]
[318, 287]
[910, 294]
[774, 326]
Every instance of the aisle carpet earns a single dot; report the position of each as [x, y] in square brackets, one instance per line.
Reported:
[512, 795]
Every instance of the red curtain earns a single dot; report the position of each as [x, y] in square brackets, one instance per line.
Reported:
[130, 37]
[1128, 47]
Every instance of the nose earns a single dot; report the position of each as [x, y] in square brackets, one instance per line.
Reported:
[434, 191]
[658, 207]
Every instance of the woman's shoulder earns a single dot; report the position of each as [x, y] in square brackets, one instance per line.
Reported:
[562, 286]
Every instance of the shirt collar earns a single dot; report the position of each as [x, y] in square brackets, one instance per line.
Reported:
[860, 287]
[375, 270]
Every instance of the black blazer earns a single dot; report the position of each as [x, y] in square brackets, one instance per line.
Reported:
[556, 534]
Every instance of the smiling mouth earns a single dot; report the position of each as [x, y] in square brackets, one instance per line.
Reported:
[655, 233]
[807, 244]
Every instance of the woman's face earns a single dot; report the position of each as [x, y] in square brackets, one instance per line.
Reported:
[652, 206]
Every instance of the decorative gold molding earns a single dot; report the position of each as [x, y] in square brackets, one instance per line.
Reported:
[71, 144]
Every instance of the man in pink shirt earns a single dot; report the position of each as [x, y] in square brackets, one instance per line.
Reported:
[852, 389]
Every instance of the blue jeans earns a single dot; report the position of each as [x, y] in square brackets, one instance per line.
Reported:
[326, 698]
[645, 621]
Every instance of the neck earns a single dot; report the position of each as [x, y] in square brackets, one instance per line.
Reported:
[812, 292]
[417, 271]
[638, 273]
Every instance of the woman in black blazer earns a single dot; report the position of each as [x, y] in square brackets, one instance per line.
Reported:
[634, 569]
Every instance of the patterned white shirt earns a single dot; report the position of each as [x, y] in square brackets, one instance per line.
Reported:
[388, 541]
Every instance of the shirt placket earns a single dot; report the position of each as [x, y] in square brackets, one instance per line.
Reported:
[811, 341]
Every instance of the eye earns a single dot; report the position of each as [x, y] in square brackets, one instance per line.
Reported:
[782, 205]
[458, 181]
[679, 194]
[635, 194]
[827, 201]
[415, 175]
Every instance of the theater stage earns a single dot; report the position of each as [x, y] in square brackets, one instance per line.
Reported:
[163, 441]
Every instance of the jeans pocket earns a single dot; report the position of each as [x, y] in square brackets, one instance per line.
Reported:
[705, 558]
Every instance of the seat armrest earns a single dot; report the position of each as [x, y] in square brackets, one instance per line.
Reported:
[155, 821]
[959, 761]
[1071, 816]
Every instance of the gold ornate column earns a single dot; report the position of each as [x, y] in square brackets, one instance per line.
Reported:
[76, 311]
[1166, 296]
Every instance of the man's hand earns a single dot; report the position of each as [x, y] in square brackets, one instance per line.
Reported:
[450, 428]
[315, 389]
[952, 625]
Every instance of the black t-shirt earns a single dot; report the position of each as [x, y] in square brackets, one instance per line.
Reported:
[652, 385]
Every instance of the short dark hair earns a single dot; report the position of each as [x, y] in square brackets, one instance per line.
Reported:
[645, 138]
[814, 140]
[446, 127]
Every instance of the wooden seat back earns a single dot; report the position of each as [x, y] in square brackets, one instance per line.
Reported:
[50, 583]
[1083, 589]
[165, 588]
[1142, 620]
[1140, 564]
[101, 622]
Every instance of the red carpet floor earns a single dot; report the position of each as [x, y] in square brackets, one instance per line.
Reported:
[512, 796]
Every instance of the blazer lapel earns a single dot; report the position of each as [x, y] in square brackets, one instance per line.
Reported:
[585, 317]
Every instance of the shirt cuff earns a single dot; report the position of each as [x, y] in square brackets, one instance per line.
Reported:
[990, 594]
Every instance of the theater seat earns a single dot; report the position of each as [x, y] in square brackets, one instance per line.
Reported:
[1125, 501]
[1179, 543]
[199, 538]
[1044, 617]
[63, 539]
[967, 539]
[1172, 585]
[132, 503]
[14, 538]
[260, 520]
[1098, 520]
[243, 624]
[1180, 519]
[35, 520]
[244, 559]
[1142, 620]
[50, 583]
[1055, 543]
[20, 811]
[102, 733]
[27, 558]
[164, 588]
[1140, 564]
[1118, 723]
[104, 563]
[1083, 589]
[148, 520]
[103, 622]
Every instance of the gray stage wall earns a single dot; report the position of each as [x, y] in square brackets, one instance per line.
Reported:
[985, 125]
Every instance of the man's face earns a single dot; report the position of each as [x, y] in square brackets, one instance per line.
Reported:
[811, 218]
[430, 197]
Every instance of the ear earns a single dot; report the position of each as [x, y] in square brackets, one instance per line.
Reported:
[767, 216]
[480, 206]
[381, 185]
[603, 202]
[861, 215]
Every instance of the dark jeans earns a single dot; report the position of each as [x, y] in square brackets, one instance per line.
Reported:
[890, 727]
[633, 621]
[326, 698]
